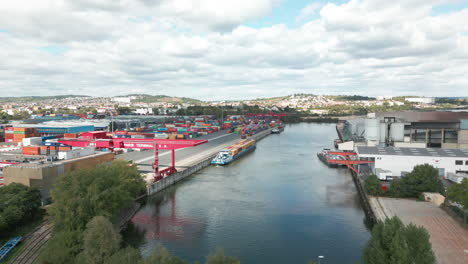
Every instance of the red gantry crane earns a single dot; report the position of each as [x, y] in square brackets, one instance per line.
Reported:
[348, 162]
[157, 144]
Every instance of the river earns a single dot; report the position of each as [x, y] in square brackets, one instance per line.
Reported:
[278, 204]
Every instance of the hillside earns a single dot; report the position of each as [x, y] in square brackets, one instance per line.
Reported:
[39, 98]
[146, 98]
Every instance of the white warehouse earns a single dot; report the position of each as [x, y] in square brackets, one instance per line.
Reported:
[392, 162]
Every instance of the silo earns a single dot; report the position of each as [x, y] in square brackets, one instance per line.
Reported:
[372, 129]
[397, 131]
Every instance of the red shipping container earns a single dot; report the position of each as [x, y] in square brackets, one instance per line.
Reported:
[31, 150]
[70, 135]
[64, 148]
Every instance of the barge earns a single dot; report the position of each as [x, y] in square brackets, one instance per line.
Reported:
[234, 152]
[324, 156]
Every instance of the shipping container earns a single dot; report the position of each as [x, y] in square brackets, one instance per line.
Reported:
[31, 150]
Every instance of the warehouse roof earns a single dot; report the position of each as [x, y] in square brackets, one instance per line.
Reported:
[431, 152]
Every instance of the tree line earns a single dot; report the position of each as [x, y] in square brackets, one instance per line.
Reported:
[423, 178]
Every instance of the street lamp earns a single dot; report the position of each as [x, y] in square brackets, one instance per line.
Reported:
[319, 258]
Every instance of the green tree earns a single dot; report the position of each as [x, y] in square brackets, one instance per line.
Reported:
[420, 247]
[127, 255]
[21, 115]
[18, 205]
[220, 258]
[100, 241]
[373, 186]
[123, 110]
[162, 256]
[423, 178]
[459, 193]
[62, 247]
[82, 194]
[394, 243]
[4, 117]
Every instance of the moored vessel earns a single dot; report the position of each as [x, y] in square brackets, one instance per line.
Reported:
[234, 152]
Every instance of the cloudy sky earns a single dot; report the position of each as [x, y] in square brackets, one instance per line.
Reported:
[234, 49]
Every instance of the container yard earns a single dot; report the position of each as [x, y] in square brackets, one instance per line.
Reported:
[50, 144]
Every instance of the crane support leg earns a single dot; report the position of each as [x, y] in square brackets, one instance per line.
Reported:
[157, 175]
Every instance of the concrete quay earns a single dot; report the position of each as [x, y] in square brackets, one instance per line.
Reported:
[195, 163]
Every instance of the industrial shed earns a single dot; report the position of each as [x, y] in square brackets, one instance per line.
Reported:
[392, 162]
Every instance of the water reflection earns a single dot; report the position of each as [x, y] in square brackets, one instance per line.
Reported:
[279, 204]
[159, 221]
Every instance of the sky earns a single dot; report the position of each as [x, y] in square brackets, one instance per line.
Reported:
[226, 50]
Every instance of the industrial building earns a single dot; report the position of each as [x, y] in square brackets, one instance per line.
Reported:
[390, 162]
[421, 100]
[43, 174]
[447, 130]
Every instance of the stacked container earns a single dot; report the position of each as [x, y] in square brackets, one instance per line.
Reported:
[19, 133]
[9, 134]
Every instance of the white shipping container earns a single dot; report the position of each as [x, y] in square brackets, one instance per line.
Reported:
[32, 141]
[75, 153]
[161, 136]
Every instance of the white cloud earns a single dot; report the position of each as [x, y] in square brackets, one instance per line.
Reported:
[308, 11]
[201, 49]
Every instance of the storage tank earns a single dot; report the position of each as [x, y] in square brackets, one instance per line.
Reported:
[372, 129]
[383, 131]
[397, 131]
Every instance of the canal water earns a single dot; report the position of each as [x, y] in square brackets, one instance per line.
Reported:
[278, 204]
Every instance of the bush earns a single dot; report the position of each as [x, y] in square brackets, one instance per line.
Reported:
[459, 193]
[373, 186]
[18, 205]
[423, 178]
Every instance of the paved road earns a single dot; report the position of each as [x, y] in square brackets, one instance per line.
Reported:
[145, 158]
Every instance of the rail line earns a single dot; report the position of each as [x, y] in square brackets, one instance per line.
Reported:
[34, 243]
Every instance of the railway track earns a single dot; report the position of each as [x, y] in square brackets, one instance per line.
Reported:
[34, 243]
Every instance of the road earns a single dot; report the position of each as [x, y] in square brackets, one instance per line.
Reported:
[145, 158]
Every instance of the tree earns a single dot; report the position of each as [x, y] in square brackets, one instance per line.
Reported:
[20, 115]
[62, 247]
[220, 258]
[394, 243]
[123, 110]
[420, 247]
[127, 255]
[373, 186]
[100, 241]
[423, 178]
[162, 256]
[4, 117]
[82, 194]
[18, 205]
[459, 193]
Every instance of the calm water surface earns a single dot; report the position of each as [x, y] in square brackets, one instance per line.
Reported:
[279, 204]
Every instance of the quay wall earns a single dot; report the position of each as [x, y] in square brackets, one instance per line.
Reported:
[368, 209]
[201, 164]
